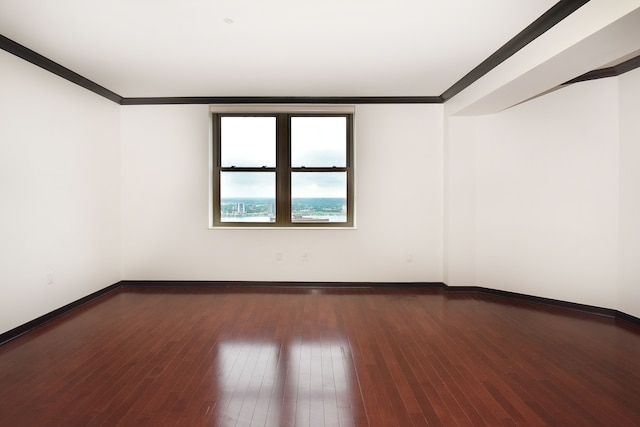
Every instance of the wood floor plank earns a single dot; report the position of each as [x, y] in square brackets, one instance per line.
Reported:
[330, 357]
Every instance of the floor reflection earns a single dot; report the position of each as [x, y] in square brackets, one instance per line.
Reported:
[298, 383]
[247, 383]
[320, 377]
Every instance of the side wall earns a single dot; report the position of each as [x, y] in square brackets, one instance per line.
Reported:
[534, 191]
[59, 192]
[629, 290]
[547, 196]
[165, 152]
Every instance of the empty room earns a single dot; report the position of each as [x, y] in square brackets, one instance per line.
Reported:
[344, 213]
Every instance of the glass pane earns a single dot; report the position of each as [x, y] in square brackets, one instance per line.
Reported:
[248, 196]
[318, 141]
[248, 141]
[319, 197]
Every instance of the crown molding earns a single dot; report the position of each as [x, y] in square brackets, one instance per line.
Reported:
[285, 100]
[43, 62]
[602, 73]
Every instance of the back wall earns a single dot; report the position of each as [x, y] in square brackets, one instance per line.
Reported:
[165, 186]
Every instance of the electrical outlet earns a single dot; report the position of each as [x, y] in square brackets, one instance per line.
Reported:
[305, 256]
[409, 257]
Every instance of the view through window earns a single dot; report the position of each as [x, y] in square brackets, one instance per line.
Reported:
[283, 169]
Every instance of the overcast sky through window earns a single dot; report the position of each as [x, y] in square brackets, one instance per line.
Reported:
[251, 142]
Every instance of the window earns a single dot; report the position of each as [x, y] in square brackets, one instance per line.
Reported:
[282, 169]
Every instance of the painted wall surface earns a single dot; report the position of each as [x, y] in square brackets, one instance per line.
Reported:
[165, 175]
[59, 192]
[540, 199]
[545, 212]
[460, 201]
[629, 288]
[547, 192]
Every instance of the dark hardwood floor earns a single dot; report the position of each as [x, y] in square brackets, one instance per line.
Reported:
[321, 357]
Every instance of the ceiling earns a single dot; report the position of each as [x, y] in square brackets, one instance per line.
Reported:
[329, 48]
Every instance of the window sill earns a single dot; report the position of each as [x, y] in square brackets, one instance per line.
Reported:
[282, 228]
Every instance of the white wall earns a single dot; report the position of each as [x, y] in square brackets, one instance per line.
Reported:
[547, 192]
[629, 288]
[59, 192]
[460, 201]
[540, 199]
[544, 220]
[398, 205]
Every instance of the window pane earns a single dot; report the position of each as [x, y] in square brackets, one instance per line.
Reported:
[248, 141]
[319, 197]
[247, 196]
[318, 141]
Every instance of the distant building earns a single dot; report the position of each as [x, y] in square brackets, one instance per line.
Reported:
[241, 209]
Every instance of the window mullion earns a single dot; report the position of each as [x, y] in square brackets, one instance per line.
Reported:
[283, 172]
[247, 169]
[316, 169]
